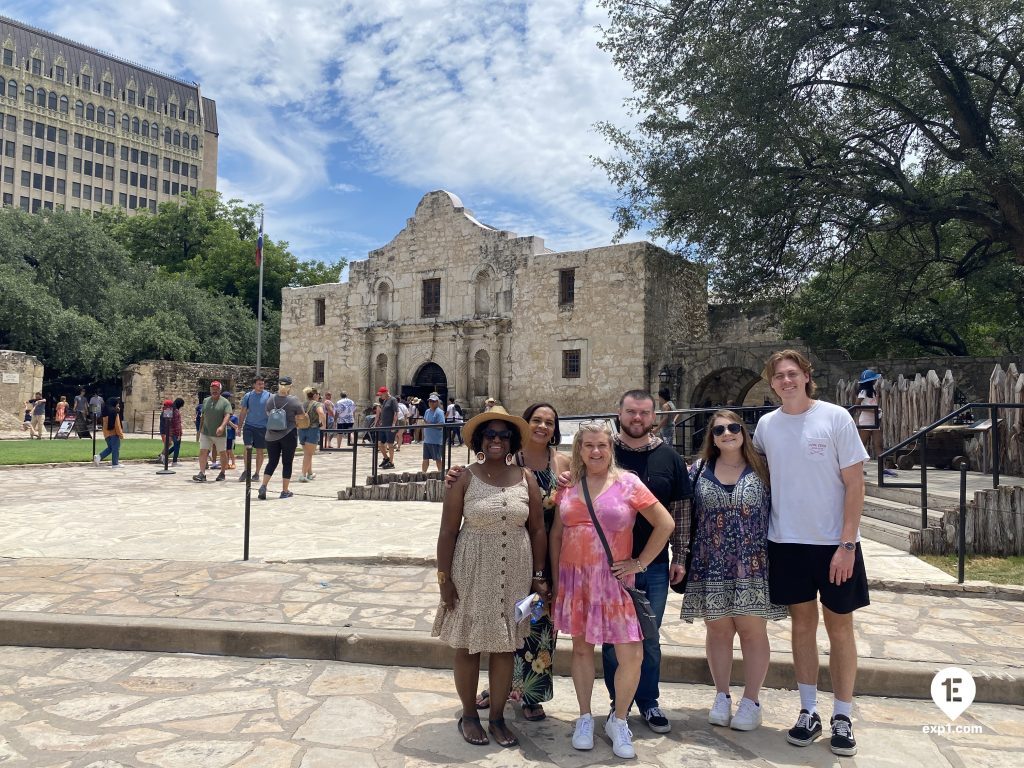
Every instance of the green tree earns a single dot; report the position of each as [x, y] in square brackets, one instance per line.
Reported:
[775, 140]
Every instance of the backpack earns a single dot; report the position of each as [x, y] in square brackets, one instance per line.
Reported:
[277, 419]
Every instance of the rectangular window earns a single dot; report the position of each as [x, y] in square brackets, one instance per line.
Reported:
[87, 192]
[76, 189]
[97, 170]
[431, 297]
[176, 167]
[110, 149]
[143, 203]
[61, 187]
[76, 164]
[123, 175]
[59, 74]
[37, 181]
[62, 136]
[131, 96]
[99, 146]
[124, 153]
[144, 158]
[88, 143]
[12, 123]
[108, 196]
[122, 200]
[26, 127]
[152, 206]
[40, 129]
[26, 153]
[167, 164]
[194, 171]
[320, 314]
[36, 204]
[9, 149]
[78, 140]
[51, 158]
[37, 66]
[153, 161]
[109, 172]
[318, 371]
[9, 175]
[107, 90]
[134, 179]
[8, 57]
[151, 103]
[88, 167]
[8, 199]
[48, 184]
[86, 82]
[135, 155]
[167, 187]
[152, 183]
[39, 155]
[133, 202]
[570, 363]
[143, 181]
[51, 133]
[23, 202]
[62, 162]
[175, 188]
[26, 178]
[566, 287]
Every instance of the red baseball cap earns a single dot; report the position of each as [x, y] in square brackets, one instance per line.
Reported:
[168, 403]
[382, 390]
[216, 384]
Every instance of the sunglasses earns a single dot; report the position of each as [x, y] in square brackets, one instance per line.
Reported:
[491, 434]
[733, 427]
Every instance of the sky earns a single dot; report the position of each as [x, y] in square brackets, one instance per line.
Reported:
[339, 116]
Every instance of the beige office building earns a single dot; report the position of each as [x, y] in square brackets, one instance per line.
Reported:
[82, 130]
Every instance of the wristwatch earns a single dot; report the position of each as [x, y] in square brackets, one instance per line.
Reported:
[538, 575]
[849, 546]
[442, 577]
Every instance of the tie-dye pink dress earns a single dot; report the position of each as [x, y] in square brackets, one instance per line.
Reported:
[591, 602]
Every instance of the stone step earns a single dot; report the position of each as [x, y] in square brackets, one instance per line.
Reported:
[911, 496]
[896, 536]
[898, 513]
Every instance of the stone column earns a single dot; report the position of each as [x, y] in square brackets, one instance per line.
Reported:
[462, 367]
[494, 368]
[366, 379]
[394, 373]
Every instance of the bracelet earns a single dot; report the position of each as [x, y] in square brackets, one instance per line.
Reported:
[640, 568]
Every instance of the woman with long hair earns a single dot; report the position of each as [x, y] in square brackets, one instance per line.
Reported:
[532, 672]
[281, 443]
[309, 438]
[590, 604]
[112, 433]
[728, 586]
[491, 552]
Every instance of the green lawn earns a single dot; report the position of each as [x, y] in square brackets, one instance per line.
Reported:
[998, 570]
[60, 451]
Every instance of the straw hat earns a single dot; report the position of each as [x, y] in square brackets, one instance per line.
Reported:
[497, 413]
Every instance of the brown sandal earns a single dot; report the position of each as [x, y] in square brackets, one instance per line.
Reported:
[475, 742]
[533, 712]
[483, 701]
[510, 741]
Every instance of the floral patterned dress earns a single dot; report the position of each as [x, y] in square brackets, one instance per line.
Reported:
[591, 602]
[532, 678]
[729, 570]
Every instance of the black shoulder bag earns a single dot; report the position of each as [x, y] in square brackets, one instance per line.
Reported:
[644, 611]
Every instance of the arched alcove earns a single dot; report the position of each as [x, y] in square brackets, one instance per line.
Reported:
[384, 301]
[481, 368]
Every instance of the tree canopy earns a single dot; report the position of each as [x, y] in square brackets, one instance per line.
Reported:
[89, 296]
[779, 141]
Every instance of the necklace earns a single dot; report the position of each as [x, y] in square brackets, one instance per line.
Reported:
[733, 466]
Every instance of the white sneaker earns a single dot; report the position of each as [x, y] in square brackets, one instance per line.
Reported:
[747, 717]
[721, 710]
[622, 738]
[583, 733]
[96, 459]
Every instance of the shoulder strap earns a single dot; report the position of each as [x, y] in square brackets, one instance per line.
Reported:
[597, 525]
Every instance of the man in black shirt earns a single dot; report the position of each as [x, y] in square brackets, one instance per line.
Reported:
[388, 418]
[664, 473]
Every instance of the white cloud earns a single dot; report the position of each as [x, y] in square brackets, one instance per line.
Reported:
[492, 101]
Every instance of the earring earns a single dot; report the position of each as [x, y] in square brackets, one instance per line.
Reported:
[510, 459]
[480, 458]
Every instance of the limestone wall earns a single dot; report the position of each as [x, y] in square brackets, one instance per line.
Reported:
[147, 384]
[21, 376]
[732, 323]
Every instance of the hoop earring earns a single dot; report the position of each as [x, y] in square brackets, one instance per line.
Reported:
[510, 459]
[480, 458]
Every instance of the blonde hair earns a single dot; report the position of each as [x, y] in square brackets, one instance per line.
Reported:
[793, 356]
[577, 467]
[709, 451]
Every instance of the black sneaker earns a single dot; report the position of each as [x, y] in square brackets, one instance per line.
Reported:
[806, 730]
[843, 742]
[200, 478]
[220, 477]
[261, 494]
[656, 720]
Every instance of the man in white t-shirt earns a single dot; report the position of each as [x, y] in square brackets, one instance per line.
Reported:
[816, 458]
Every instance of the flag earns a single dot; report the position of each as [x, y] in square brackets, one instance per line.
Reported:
[259, 244]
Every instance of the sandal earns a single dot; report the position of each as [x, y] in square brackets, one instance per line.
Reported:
[507, 741]
[533, 712]
[483, 701]
[480, 741]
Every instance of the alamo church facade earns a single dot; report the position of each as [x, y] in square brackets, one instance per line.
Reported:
[456, 306]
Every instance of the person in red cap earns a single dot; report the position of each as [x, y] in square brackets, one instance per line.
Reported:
[387, 416]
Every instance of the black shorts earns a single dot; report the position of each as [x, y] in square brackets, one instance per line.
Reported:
[255, 437]
[798, 573]
[386, 436]
[433, 451]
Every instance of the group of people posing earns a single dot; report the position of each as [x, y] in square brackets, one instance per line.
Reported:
[758, 528]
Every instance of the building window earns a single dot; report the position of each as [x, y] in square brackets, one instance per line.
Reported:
[566, 287]
[320, 314]
[431, 297]
[86, 82]
[8, 57]
[59, 73]
[318, 371]
[107, 89]
[37, 66]
[570, 363]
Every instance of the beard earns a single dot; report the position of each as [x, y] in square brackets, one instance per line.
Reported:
[636, 430]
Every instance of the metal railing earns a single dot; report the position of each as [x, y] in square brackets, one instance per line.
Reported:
[921, 439]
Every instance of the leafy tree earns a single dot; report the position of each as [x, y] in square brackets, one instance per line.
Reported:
[775, 140]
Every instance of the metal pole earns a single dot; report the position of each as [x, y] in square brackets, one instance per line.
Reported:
[355, 454]
[248, 495]
[994, 412]
[93, 433]
[924, 481]
[962, 537]
[259, 307]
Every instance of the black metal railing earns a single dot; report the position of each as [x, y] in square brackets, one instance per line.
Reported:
[920, 438]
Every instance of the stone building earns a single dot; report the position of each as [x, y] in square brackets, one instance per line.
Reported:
[454, 305]
[21, 376]
[82, 130]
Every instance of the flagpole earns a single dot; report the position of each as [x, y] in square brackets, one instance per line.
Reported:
[259, 309]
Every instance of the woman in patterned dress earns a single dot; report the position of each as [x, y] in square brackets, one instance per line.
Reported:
[728, 585]
[492, 539]
[590, 603]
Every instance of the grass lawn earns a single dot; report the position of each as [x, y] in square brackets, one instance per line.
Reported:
[75, 449]
[998, 570]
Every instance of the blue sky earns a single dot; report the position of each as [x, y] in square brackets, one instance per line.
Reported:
[340, 116]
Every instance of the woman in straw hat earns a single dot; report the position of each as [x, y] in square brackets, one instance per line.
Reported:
[491, 552]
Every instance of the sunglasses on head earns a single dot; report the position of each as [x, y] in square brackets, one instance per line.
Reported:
[503, 434]
[733, 427]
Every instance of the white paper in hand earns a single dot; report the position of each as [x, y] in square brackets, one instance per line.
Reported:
[525, 606]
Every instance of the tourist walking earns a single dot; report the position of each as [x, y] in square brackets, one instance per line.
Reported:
[38, 424]
[61, 410]
[728, 578]
[816, 461]
[490, 554]
[590, 603]
[387, 416]
[213, 427]
[309, 437]
[453, 415]
[281, 437]
[433, 436]
[667, 422]
[112, 433]
[176, 429]
[345, 413]
[252, 413]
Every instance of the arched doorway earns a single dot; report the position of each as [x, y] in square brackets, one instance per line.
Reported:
[731, 386]
[429, 378]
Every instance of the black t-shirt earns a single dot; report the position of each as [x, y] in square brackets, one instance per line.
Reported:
[664, 473]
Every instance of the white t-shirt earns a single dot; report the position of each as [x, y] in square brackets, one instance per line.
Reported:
[805, 454]
[866, 416]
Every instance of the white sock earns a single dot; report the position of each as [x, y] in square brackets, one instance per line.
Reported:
[808, 697]
[844, 708]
